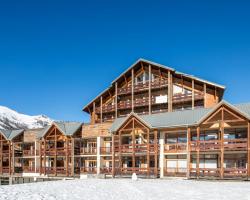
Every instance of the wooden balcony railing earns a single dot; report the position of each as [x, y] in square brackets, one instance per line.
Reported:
[235, 172]
[106, 170]
[5, 170]
[177, 98]
[124, 104]
[106, 150]
[138, 148]
[88, 150]
[56, 170]
[216, 145]
[159, 83]
[106, 109]
[235, 144]
[137, 170]
[205, 172]
[30, 152]
[173, 171]
[141, 86]
[5, 153]
[62, 151]
[28, 169]
[175, 148]
[124, 90]
[88, 170]
[210, 145]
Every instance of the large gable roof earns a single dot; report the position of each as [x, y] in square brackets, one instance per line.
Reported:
[11, 134]
[67, 128]
[157, 65]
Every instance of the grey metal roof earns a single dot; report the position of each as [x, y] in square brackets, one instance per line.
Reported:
[181, 118]
[11, 134]
[67, 128]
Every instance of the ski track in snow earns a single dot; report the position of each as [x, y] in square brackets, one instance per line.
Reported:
[126, 189]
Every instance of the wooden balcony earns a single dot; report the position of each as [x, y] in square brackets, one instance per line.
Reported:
[106, 150]
[28, 153]
[5, 153]
[138, 148]
[175, 148]
[173, 171]
[139, 87]
[205, 172]
[179, 98]
[56, 170]
[57, 152]
[28, 169]
[124, 104]
[235, 172]
[106, 170]
[235, 145]
[137, 170]
[88, 170]
[216, 145]
[106, 109]
[5, 170]
[88, 150]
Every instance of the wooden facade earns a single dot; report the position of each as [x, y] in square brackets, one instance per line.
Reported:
[124, 135]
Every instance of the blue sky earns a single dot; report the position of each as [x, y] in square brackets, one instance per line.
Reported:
[56, 56]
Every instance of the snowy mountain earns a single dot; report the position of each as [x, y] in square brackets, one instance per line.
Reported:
[10, 119]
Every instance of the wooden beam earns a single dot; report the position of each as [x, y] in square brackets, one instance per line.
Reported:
[148, 155]
[133, 142]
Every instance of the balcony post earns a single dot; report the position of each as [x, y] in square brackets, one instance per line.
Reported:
[188, 152]
[44, 161]
[1, 155]
[149, 91]
[198, 154]
[13, 157]
[67, 157]
[98, 155]
[248, 149]
[161, 162]
[35, 156]
[9, 158]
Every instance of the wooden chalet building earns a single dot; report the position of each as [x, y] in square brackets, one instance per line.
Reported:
[152, 121]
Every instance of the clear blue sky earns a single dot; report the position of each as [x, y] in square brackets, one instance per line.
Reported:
[56, 56]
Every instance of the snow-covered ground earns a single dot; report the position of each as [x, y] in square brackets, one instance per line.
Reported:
[126, 189]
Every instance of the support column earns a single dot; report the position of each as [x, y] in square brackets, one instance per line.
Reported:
[113, 156]
[44, 160]
[248, 149]
[170, 92]
[1, 155]
[98, 156]
[67, 157]
[9, 158]
[161, 161]
[156, 152]
[188, 152]
[72, 156]
[222, 146]
[13, 158]
[132, 85]
[35, 147]
[148, 154]
[198, 154]
[149, 91]
[133, 142]
[55, 153]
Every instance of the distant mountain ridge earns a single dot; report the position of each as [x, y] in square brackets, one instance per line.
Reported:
[10, 119]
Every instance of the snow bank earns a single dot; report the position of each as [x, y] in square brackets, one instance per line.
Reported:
[126, 189]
